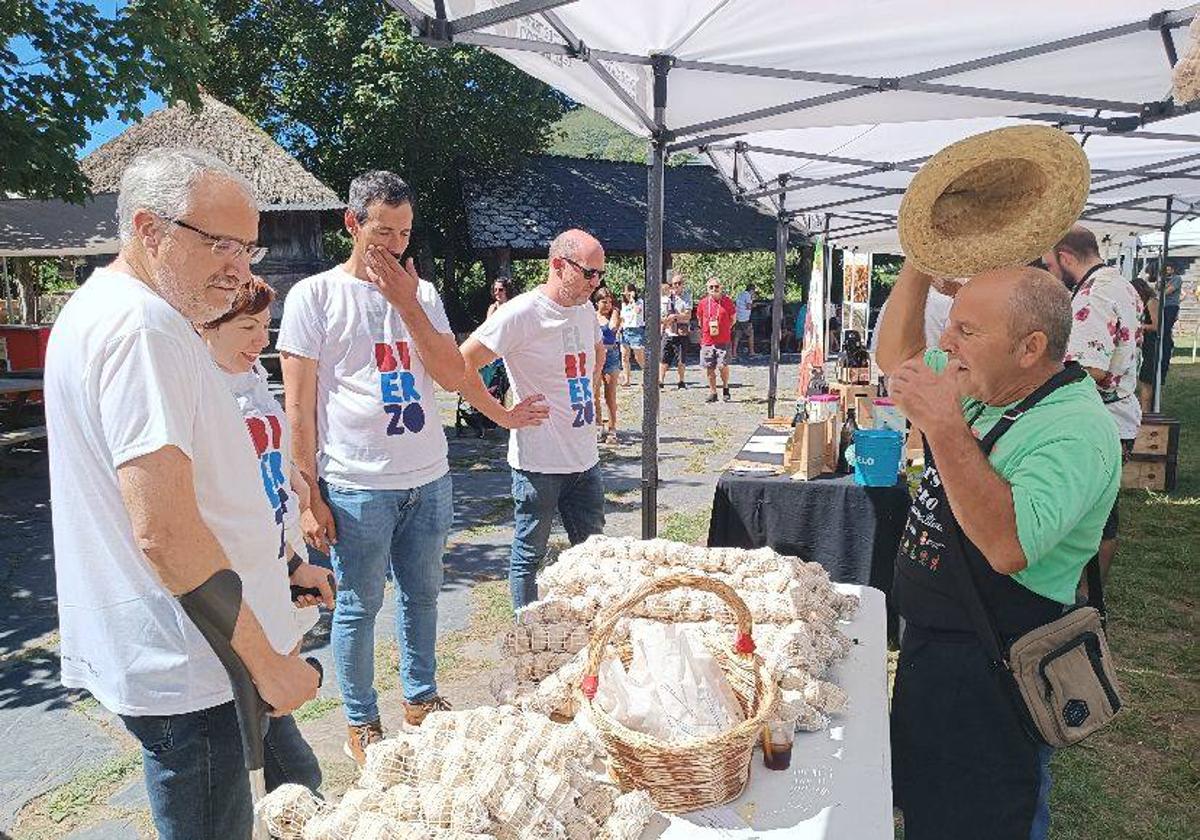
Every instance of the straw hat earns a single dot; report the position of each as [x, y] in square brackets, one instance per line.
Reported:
[1003, 197]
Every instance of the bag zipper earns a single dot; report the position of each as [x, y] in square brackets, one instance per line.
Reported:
[1091, 644]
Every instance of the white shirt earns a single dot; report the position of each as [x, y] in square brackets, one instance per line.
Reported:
[550, 350]
[937, 315]
[633, 315]
[1106, 334]
[744, 303]
[378, 425]
[126, 375]
[272, 441]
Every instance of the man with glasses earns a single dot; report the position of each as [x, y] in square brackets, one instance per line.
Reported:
[716, 313]
[156, 494]
[676, 326]
[362, 346]
[550, 341]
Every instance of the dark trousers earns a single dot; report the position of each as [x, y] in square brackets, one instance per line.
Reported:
[962, 766]
[1167, 331]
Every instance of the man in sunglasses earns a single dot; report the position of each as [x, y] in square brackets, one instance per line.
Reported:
[550, 341]
[156, 493]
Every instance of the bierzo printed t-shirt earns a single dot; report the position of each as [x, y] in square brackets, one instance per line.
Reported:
[271, 438]
[720, 310]
[550, 350]
[126, 375]
[378, 426]
[1062, 460]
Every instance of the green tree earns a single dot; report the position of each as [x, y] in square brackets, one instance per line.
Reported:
[345, 88]
[64, 65]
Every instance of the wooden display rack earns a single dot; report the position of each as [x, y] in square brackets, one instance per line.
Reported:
[1155, 457]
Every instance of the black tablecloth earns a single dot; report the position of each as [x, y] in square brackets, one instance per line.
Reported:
[851, 530]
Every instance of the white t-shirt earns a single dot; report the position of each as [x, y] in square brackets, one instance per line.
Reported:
[378, 426]
[550, 350]
[744, 303]
[126, 375]
[937, 315]
[272, 441]
[633, 315]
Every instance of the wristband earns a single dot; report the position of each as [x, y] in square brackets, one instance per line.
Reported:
[294, 564]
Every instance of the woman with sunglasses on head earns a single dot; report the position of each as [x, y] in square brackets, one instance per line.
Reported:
[609, 317]
[633, 331]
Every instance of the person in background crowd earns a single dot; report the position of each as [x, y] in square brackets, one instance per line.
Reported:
[743, 329]
[1104, 340]
[676, 326]
[937, 312]
[1149, 349]
[609, 318]
[1170, 314]
[716, 313]
[550, 340]
[1030, 511]
[501, 292]
[362, 346]
[633, 331]
[155, 489]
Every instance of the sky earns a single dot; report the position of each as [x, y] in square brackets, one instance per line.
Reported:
[109, 128]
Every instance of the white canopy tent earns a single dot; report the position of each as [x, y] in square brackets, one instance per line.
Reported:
[692, 73]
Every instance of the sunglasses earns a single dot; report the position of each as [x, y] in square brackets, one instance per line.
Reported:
[588, 273]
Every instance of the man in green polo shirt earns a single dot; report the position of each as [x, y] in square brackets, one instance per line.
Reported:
[1030, 511]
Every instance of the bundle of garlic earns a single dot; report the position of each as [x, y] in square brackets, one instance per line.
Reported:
[482, 773]
[793, 603]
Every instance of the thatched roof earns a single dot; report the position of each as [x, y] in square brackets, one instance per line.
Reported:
[280, 182]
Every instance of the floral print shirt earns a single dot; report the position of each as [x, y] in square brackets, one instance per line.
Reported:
[1107, 335]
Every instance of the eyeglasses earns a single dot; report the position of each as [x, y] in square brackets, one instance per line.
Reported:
[226, 247]
[588, 273]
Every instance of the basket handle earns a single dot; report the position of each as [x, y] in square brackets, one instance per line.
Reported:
[743, 644]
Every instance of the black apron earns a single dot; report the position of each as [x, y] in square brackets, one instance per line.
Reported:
[962, 763]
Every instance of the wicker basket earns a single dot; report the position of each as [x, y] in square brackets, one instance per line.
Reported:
[697, 773]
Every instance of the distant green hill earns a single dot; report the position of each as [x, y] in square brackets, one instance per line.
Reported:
[586, 134]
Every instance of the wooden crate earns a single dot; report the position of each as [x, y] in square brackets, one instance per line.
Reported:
[1159, 435]
[1148, 472]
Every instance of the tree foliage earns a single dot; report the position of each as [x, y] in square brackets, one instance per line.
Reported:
[64, 65]
[345, 88]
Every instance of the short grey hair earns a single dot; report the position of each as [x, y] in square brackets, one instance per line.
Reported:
[1041, 303]
[569, 243]
[162, 181]
[374, 186]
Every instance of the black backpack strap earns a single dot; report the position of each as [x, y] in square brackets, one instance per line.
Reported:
[1096, 588]
[1071, 372]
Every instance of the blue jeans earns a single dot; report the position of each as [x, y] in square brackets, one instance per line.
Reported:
[404, 530]
[1041, 814]
[198, 785]
[579, 499]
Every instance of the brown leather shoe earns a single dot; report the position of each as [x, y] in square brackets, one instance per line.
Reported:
[414, 713]
[358, 738]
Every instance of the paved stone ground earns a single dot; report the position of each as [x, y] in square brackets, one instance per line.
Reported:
[69, 769]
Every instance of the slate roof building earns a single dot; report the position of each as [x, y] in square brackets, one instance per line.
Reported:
[516, 215]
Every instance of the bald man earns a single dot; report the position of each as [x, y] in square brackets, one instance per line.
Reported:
[551, 345]
[1028, 497]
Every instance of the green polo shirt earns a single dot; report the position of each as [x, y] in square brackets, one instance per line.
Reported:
[1062, 459]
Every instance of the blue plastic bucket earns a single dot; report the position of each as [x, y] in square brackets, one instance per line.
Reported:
[877, 456]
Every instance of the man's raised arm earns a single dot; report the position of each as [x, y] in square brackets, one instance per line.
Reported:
[902, 331]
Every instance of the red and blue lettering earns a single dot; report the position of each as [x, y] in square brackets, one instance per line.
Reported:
[266, 433]
[579, 389]
[398, 388]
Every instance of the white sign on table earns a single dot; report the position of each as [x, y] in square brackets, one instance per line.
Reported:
[840, 782]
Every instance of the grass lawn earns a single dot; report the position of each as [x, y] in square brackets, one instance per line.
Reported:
[1140, 778]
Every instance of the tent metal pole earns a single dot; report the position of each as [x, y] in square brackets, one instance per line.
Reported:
[827, 270]
[655, 183]
[1162, 302]
[500, 14]
[781, 243]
